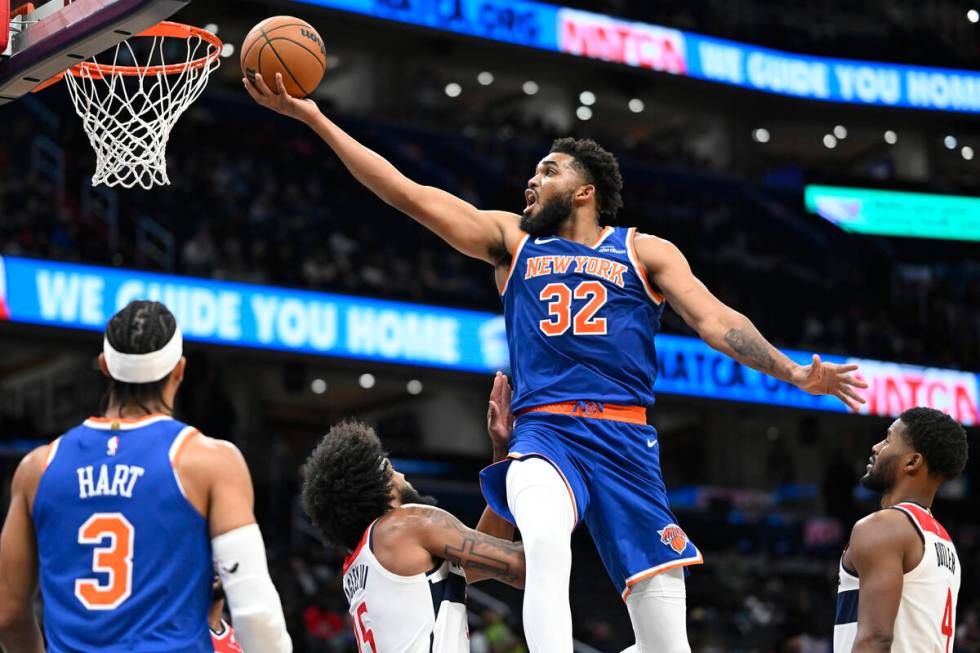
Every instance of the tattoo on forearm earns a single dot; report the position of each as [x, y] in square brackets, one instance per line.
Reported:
[469, 558]
[478, 551]
[751, 349]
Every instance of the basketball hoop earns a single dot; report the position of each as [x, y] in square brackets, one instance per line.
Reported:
[129, 110]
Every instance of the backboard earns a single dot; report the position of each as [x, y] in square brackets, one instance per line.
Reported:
[60, 33]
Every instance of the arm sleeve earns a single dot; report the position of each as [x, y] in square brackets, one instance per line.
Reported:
[239, 557]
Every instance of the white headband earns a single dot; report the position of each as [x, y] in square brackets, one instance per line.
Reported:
[144, 368]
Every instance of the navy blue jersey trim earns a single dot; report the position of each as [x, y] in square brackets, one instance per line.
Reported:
[915, 524]
[452, 589]
[847, 608]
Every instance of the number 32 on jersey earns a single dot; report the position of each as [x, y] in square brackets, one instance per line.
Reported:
[584, 322]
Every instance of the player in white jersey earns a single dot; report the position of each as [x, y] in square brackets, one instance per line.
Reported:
[405, 578]
[900, 575]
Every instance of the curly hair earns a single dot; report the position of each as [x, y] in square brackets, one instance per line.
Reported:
[601, 169]
[347, 484]
[939, 438]
[139, 328]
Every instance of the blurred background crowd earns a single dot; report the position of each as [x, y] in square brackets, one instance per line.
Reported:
[769, 494]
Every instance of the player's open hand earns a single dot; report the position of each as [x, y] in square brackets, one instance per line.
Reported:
[281, 102]
[819, 378]
[500, 421]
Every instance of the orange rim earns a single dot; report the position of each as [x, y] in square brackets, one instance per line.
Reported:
[166, 29]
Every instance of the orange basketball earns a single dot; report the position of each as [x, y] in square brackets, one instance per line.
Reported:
[287, 45]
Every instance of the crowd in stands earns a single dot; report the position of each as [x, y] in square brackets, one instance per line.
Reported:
[934, 33]
[274, 206]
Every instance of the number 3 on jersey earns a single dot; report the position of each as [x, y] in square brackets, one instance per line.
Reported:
[585, 323]
[115, 560]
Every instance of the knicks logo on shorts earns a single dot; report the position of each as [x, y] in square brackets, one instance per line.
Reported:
[673, 536]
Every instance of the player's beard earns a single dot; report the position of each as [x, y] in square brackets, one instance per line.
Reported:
[409, 494]
[880, 477]
[550, 216]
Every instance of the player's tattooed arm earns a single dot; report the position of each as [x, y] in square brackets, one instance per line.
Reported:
[732, 333]
[750, 348]
[481, 556]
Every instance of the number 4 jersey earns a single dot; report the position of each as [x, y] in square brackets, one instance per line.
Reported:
[926, 619]
[581, 321]
[125, 559]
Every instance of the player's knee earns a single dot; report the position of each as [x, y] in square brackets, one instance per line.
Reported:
[547, 551]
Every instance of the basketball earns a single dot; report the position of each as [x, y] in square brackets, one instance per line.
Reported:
[287, 45]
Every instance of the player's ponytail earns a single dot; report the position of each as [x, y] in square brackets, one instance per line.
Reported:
[142, 327]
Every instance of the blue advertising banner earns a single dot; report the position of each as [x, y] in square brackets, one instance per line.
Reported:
[598, 36]
[690, 367]
[521, 22]
[834, 80]
[221, 312]
[264, 317]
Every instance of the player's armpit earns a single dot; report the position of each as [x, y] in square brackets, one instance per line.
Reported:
[489, 236]
[480, 555]
[19, 632]
[876, 552]
[217, 482]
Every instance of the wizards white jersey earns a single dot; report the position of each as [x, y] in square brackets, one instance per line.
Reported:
[926, 619]
[425, 613]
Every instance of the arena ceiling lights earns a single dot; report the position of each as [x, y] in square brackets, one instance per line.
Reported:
[598, 36]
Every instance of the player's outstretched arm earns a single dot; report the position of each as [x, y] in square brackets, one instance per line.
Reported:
[876, 551]
[19, 632]
[485, 235]
[480, 555]
[216, 479]
[731, 333]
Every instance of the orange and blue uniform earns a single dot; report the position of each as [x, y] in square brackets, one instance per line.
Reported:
[124, 558]
[581, 323]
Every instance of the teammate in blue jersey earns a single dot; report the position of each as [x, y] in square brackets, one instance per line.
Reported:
[123, 519]
[583, 303]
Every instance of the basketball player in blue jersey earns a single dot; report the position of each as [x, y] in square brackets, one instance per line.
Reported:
[124, 518]
[582, 303]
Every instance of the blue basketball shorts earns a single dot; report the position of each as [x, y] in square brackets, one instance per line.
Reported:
[612, 470]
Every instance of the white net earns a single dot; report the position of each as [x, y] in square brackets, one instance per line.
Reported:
[129, 110]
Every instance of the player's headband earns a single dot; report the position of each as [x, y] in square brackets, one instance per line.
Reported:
[144, 368]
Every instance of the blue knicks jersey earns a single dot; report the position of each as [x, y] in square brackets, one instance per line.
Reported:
[581, 322]
[125, 559]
